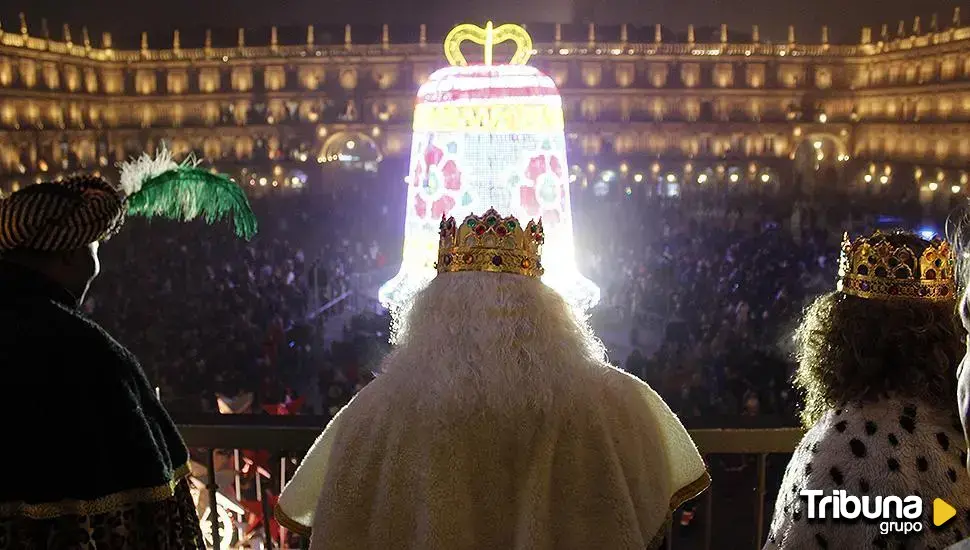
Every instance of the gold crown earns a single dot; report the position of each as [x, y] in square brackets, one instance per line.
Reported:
[877, 268]
[490, 243]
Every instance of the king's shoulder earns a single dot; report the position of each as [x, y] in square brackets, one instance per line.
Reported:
[46, 331]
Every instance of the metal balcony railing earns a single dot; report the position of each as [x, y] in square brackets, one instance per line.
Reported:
[289, 437]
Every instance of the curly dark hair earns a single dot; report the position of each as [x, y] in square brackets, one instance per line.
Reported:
[851, 349]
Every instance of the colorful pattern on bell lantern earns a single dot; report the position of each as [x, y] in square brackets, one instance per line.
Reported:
[488, 136]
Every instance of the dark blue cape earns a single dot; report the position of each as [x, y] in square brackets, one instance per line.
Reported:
[80, 419]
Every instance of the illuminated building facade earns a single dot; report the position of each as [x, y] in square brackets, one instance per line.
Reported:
[647, 104]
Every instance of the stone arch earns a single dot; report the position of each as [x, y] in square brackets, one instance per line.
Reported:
[212, 148]
[352, 150]
[819, 157]
[243, 147]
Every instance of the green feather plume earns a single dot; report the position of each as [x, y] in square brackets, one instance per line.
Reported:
[186, 192]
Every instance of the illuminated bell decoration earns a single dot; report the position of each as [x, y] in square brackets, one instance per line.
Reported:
[488, 136]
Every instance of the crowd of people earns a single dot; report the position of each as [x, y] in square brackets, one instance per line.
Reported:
[713, 282]
[710, 284]
[207, 313]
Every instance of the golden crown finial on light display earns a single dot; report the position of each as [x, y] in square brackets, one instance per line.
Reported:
[488, 37]
[882, 267]
[490, 243]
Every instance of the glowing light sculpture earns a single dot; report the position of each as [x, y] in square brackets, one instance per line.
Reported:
[488, 136]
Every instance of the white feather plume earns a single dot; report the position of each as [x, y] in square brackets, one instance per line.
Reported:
[136, 172]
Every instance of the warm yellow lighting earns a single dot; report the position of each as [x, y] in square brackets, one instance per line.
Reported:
[42, 165]
[488, 37]
[638, 177]
[303, 157]
[817, 145]
[503, 118]
[702, 178]
[823, 118]
[591, 167]
[734, 178]
[884, 179]
[277, 170]
[797, 131]
[867, 178]
[321, 131]
[295, 180]
[933, 186]
[263, 181]
[671, 178]
[624, 168]
[276, 183]
[376, 131]
[655, 167]
[955, 189]
[963, 178]
[765, 178]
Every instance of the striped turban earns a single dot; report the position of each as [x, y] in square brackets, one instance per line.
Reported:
[61, 216]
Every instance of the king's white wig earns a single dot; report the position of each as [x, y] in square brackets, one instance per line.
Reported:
[473, 336]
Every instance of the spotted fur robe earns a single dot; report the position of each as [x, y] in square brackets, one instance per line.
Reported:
[883, 448]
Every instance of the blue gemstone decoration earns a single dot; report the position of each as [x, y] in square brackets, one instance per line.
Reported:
[452, 148]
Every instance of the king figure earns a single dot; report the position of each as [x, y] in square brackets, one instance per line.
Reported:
[877, 362]
[495, 422]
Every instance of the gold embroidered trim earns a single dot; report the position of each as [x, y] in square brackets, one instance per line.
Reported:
[684, 494]
[103, 505]
[690, 491]
[289, 523]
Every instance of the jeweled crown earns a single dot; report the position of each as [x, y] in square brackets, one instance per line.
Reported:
[885, 267]
[490, 243]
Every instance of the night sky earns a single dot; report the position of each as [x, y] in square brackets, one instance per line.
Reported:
[844, 17]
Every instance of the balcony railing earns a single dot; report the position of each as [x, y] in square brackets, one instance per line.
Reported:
[289, 437]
